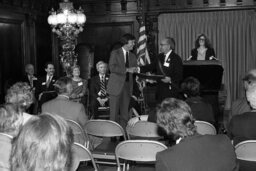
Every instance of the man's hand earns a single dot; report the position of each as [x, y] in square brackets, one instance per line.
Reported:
[131, 69]
[166, 80]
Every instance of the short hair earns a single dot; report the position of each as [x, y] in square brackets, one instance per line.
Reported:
[250, 78]
[175, 117]
[61, 84]
[171, 42]
[48, 63]
[74, 67]
[251, 95]
[20, 94]
[191, 87]
[207, 43]
[44, 143]
[100, 63]
[125, 38]
[10, 119]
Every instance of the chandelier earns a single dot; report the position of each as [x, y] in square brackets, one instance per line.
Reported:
[67, 23]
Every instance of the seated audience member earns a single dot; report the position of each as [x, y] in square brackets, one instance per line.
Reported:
[201, 110]
[31, 79]
[203, 49]
[44, 89]
[192, 152]
[241, 105]
[43, 144]
[21, 94]
[79, 86]
[10, 124]
[242, 127]
[64, 107]
[98, 87]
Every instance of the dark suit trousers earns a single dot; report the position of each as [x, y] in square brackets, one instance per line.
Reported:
[120, 103]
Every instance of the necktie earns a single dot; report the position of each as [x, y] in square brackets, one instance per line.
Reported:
[127, 60]
[48, 81]
[102, 87]
[127, 66]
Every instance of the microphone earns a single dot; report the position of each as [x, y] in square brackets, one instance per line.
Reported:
[213, 58]
[189, 58]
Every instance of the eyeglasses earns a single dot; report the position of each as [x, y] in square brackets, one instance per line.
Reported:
[163, 44]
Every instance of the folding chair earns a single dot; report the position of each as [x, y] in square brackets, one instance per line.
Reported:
[205, 128]
[80, 153]
[143, 129]
[80, 136]
[246, 155]
[5, 150]
[107, 129]
[137, 150]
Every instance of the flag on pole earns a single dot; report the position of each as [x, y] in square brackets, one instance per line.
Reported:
[142, 52]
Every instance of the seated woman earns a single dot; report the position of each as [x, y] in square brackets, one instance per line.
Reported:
[21, 94]
[242, 127]
[10, 125]
[43, 144]
[203, 49]
[79, 86]
[192, 152]
[201, 110]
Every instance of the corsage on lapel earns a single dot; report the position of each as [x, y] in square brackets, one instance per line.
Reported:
[43, 83]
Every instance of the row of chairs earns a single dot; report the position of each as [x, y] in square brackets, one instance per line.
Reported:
[108, 151]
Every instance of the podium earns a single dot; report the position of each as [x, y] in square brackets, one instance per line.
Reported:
[209, 73]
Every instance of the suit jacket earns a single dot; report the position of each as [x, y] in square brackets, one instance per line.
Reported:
[118, 72]
[41, 85]
[67, 109]
[174, 71]
[95, 86]
[25, 79]
[242, 127]
[209, 52]
[199, 153]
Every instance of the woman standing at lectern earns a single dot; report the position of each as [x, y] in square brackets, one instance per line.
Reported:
[203, 49]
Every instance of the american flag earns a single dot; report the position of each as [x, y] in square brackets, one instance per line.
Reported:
[142, 52]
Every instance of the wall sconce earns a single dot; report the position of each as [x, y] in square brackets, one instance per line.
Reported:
[67, 23]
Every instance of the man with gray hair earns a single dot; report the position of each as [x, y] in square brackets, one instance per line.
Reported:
[98, 87]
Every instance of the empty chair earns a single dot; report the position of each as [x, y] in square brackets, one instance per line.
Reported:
[106, 129]
[246, 155]
[80, 136]
[143, 129]
[80, 153]
[205, 128]
[137, 150]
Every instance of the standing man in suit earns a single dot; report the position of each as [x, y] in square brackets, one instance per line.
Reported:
[98, 87]
[122, 64]
[169, 64]
[45, 90]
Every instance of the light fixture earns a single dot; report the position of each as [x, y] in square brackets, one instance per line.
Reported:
[67, 23]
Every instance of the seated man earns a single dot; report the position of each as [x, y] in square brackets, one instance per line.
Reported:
[10, 125]
[242, 127]
[98, 94]
[192, 151]
[241, 105]
[44, 89]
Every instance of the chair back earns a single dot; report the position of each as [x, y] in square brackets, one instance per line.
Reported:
[246, 150]
[80, 136]
[104, 128]
[80, 153]
[138, 150]
[143, 129]
[205, 128]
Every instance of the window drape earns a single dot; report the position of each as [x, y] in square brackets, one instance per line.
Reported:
[232, 35]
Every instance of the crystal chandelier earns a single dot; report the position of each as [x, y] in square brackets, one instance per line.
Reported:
[67, 23]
